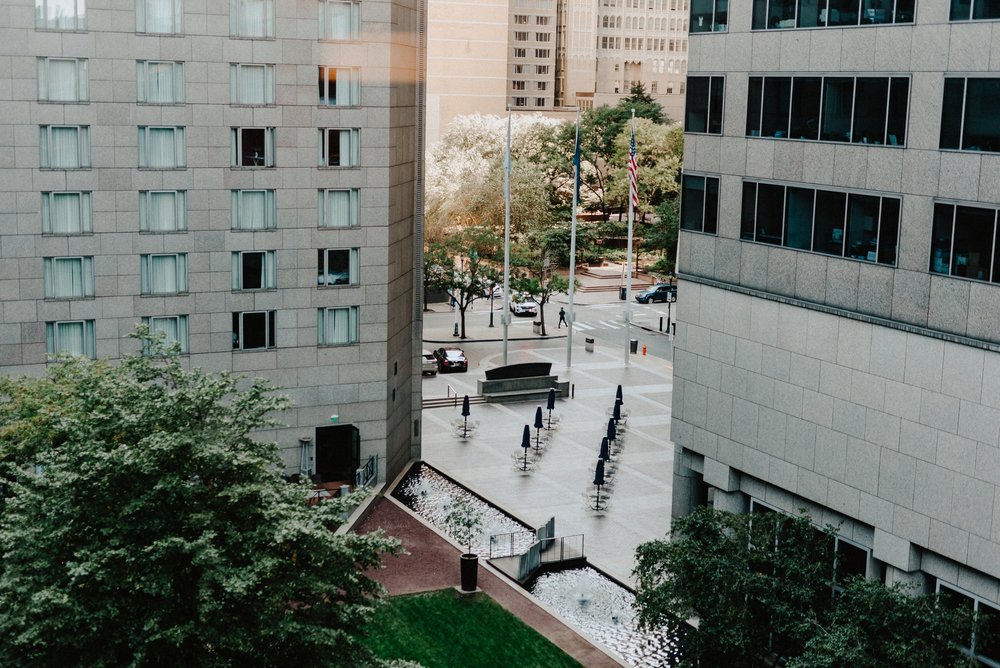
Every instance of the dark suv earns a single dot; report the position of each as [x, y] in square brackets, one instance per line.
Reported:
[661, 292]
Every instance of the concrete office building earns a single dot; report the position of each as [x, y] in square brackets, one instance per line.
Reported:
[242, 175]
[838, 347]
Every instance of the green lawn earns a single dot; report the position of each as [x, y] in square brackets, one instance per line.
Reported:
[444, 629]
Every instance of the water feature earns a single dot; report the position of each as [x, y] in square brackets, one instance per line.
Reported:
[602, 609]
[429, 494]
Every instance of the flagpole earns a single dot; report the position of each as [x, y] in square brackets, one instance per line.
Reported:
[632, 194]
[505, 318]
[572, 242]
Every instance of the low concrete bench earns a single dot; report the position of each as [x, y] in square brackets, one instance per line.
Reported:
[507, 385]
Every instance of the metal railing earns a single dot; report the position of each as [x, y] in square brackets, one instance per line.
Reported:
[510, 544]
[563, 548]
[367, 475]
[452, 391]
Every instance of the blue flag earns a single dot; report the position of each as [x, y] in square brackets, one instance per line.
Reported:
[576, 166]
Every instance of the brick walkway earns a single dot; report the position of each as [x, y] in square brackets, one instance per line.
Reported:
[432, 564]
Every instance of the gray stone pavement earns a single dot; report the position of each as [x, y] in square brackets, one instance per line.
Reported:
[639, 506]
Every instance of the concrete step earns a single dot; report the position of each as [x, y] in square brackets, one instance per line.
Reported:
[450, 402]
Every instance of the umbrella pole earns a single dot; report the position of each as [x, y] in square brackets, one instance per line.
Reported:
[598, 507]
[465, 427]
[525, 460]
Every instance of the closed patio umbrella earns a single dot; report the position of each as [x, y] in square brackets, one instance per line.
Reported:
[599, 481]
[550, 405]
[538, 426]
[465, 414]
[526, 444]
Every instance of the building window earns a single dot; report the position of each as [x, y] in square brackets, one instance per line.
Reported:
[162, 210]
[710, 15]
[541, 20]
[72, 337]
[251, 18]
[542, 53]
[164, 274]
[986, 648]
[964, 242]
[974, 10]
[339, 20]
[252, 147]
[68, 277]
[66, 213]
[339, 147]
[337, 266]
[173, 328]
[541, 85]
[541, 69]
[705, 100]
[517, 85]
[62, 80]
[253, 330]
[337, 326]
[519, 69]
[64, 146]
[779, 14]
[339, 86]
[253, 210]
[520, 19]
[700, 203]
[520, 53]
[251, 84]
[159, 82]
[520, 101]
[520, 36]
[61, 14]
[968, 115]
[860, 110]
[161, 148]
[162, 17]
[543, 36]
[854, 225]
[338, 208]
[539, 101]
[254, 270]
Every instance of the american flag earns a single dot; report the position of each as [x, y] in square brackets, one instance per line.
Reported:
[633, 173]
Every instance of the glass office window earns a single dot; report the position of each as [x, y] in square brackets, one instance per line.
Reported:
[700, 203]
[705, 101]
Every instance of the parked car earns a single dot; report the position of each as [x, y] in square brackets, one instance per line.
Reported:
[430, 364]
[451, 359]
[524, 307]
[661, 292]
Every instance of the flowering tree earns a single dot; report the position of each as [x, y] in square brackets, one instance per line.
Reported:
[464, 280]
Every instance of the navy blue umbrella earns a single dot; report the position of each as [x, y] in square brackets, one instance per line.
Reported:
[612, 431]
[617, 413]
[605, 450]
[550, 405]
[599, 480]
[618, 394]
[526, 444]
[465, 414]
[538, 426]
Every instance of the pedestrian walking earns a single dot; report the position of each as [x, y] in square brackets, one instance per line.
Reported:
[562, 318]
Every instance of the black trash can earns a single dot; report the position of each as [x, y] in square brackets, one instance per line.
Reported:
[589, 344]
[621, 294]
[633, 345]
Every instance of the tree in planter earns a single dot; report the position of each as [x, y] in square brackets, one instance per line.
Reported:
[464, 521]
[762, 585]
[156, 531]
[464, 282]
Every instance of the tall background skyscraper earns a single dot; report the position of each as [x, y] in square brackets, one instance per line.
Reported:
[838, 337]
[242, 176]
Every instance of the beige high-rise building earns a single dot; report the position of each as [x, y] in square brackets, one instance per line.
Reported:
[551, 55]
[241, 176]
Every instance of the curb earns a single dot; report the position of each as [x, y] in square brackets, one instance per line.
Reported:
[509, 338]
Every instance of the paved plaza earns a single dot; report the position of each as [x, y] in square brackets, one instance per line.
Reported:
[639, 506]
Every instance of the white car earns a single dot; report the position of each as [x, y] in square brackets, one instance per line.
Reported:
[430, 365]
[524, 308]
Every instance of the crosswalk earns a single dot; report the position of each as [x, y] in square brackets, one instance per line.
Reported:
[598, 324]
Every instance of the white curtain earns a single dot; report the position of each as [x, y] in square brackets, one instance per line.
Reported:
[70, 338]
[354, 267]
[58, 80]
[341, 208]
[163, 273]
[157, 16]
[254, 210]
[61, 14]
[67, 215]
[252, 18]
[162, 215]
[166, 326]
[345, 148]
[163, 147]
[64, 150]
[348, 88]
[341, 20]
[67, 277]
[251, 84]
[159, 83]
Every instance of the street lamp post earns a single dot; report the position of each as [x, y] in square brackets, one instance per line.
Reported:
[492, 290]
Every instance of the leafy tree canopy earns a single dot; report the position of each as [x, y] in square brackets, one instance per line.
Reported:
[142, 525]
[763, 585]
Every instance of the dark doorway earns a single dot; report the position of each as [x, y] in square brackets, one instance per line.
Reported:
[338, 453]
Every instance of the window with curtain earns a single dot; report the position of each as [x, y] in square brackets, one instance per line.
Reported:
[253, 210]
[173, 328]
[339, 86]
[165, 17]
[339, 147]
[337, 326]
[254, 270]
[162, 210]
[253, 330]
[251, 84]
[251, 18]
[339, 208]
[160, 82]
[164, 274]
[62, 80]
[161, 147]
[73, 337]
[64, 146]
[68, 277]
[252, 147]
[339, 20]
[61, 14]
[337, 266]
[66, 213]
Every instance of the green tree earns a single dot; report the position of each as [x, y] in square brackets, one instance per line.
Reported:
[141, 525]
[763, 585]
[661, 234]
[463, 279]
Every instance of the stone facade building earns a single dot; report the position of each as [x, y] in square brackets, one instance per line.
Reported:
[241, 175]
[838, 343]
